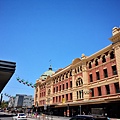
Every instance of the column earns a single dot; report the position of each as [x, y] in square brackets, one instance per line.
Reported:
[74, 85]
[112, 88]
[85, 81]
[95, 91]
[117, 56]
[103, 90]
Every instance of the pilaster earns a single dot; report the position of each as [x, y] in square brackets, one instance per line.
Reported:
[74, 85]
[117, 56]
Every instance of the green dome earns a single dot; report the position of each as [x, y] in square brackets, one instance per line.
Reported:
[49, 72]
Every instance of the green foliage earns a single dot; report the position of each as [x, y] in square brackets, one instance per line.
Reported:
[4, 104]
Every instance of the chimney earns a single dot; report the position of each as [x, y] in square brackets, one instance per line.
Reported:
[115, 30]
[115, 35]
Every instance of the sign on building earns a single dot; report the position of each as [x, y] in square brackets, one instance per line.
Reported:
[63, 100]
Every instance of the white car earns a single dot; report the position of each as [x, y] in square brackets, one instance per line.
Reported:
[20, 116]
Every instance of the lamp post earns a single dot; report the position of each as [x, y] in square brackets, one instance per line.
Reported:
[80, 109]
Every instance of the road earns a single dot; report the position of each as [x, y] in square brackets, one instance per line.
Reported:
[7, 116]
[50, 118]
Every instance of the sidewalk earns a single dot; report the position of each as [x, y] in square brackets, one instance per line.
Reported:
[114, 118]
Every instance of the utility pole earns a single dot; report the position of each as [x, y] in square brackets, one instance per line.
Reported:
[1, 98]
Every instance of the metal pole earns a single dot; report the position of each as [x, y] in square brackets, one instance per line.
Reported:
[1, 98]
[80, 109]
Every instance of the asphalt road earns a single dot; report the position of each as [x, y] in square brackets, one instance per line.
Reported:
[5, 118]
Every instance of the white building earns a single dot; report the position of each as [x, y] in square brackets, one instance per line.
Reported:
[21, 101]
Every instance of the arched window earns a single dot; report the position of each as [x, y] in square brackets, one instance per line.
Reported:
[79, 82]
[70, 72]
[96, 62]
[112, 55]
[75, 71]
[90, 65]
[67, 75]
[78, 70]
[103, 59]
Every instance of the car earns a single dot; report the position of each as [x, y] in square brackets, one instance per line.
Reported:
[20, 116]
[89, 117]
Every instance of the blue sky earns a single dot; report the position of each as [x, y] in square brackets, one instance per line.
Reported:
[33, 32]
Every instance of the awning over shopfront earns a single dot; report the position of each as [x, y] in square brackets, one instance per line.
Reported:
[7, 69]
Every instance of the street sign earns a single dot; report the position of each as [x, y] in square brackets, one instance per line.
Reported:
[63, 100]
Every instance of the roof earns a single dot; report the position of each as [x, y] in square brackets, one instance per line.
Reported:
[7, 69]
[49, 72]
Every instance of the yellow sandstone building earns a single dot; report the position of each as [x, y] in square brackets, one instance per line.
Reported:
[90, 84]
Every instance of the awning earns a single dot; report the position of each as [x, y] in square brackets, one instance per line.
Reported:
[7, 69]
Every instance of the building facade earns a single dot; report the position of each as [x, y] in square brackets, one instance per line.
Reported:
[21, 101]
[89, 84]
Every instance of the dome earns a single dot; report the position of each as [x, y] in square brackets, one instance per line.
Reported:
[49, 72]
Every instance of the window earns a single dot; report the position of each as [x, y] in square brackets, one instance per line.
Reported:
[91, 78]
[53, 99]
[59, 98]
[103, 59]
[117, 87]
[79, 82]
[75, 71]
[76, 83]
[57, 89]
[49, 91]
[66, 75]
[56, 99]
[92, 92]
[63, 86]
[96, 62]
[59, 78]
[63, 77]
[99, 91]
[66, 85]
[54, 90]
[81, 94]
[112, 56]
[70, 72]
[56, 80]
[105, 73]
[66, 97]
[70, 96]
[71, 84]
[97, 76]
[60, 87]
[90, 65]
[107, 89]
[77, 95]
[114, 70]
[78, 70]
